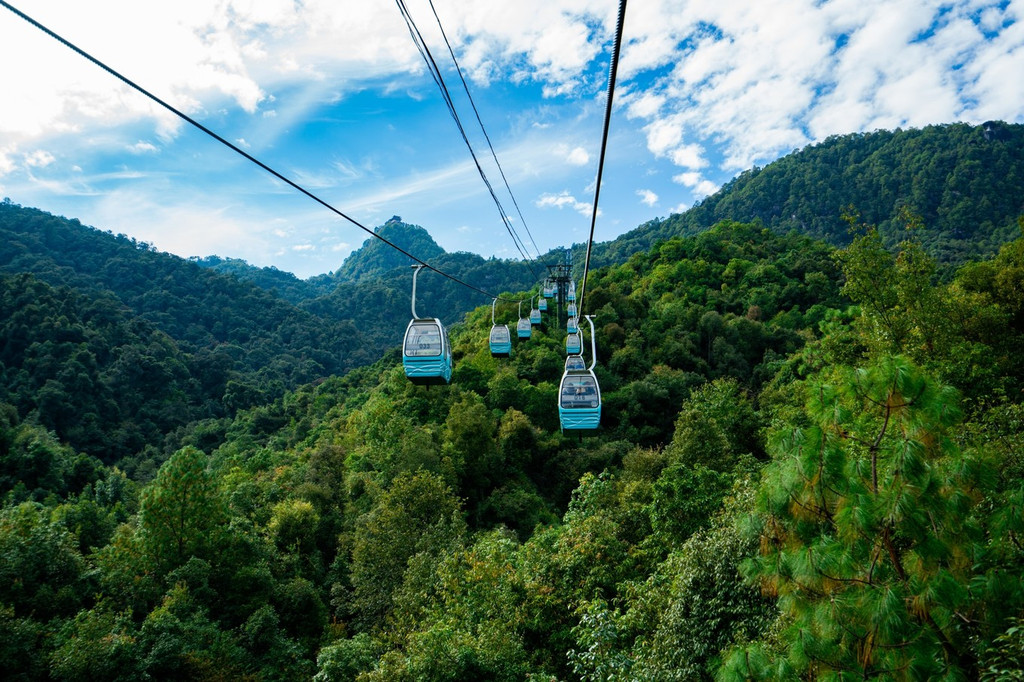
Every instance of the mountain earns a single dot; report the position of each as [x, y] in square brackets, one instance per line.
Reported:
[808, 464]
[965, 183]
[375, 259]
[262, 331]
[87, 311]
[278, 282]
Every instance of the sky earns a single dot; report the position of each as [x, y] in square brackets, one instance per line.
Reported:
[335, 96]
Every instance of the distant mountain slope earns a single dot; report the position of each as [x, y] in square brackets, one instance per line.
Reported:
[195, 306]
[375, 258]
[341, 321]
[284, 284]
[373, 287]
[965, 182]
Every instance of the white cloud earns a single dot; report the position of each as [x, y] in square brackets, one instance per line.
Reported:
[647, 197]
[141, 147]
[303, 247]
[6, 163]
[566, 200]
[701, 186]
[39, 159]
[578, 156]
[753, 81]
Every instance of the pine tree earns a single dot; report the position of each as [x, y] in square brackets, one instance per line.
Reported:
[869, 541]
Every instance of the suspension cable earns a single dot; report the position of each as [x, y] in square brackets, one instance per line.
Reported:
[241, 152]
[472, 103]
[613, 69]
[435, 72]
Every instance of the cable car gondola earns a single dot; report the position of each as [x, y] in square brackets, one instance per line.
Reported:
[535, 317]
[500, 339]
[570, 310]
[571, 295]
[426, 352]
[572, 325]
[523, 327]
[542, 304]
[579, 394]
[549, 290]
[575, 363]
[573, 344]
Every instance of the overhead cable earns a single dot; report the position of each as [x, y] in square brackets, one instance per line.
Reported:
[613, 69]
[435, 73]
[465, 86]
[237, 150]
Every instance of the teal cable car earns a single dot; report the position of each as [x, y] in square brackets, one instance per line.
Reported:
[575, 363]
[572, 325]
[426, 352]
[579, 394]
[570, 310]
[523, 327]
[542, 304]
[571, 295]
[535, 317]
[500, 339]
[573, 344]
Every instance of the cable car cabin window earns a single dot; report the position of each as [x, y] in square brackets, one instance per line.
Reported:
[580, 392]
[500, 334]
[423, 340]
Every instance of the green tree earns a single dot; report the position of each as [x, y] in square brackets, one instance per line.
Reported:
[417, 515]
[182, 513]
[870, 536]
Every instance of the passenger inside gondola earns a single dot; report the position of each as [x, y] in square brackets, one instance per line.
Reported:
[425, 340]
[579, 393]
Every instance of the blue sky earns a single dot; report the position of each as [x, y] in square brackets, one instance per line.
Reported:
[335, 96]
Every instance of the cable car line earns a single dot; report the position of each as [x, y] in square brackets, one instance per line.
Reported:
[579, 393]
[472, 103]
[188, 119]
[612, 71]
[435, 73]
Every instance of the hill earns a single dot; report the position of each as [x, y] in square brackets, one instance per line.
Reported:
[965, 183]
[375, 259]
[803, 449]
[87, 311]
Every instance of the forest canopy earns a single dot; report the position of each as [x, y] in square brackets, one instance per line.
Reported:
[809, 465]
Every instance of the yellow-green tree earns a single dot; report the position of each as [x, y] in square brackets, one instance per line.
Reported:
[873, 538]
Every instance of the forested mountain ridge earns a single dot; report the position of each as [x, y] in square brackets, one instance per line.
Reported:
[965, 182]
[808, 465]
[194, 306]
[115, 346]
[284, 284]
[375, 259]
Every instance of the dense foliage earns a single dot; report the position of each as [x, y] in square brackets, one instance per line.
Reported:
[198, 308]
[809, 467]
